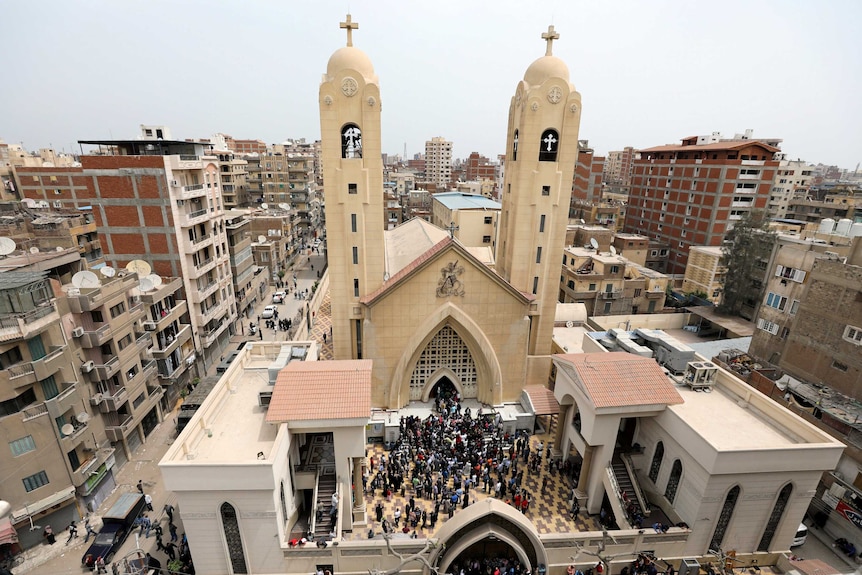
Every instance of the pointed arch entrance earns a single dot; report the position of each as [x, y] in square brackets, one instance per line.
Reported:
[445, 359]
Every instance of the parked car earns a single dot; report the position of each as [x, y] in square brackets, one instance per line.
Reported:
[117, 524]
[268, 312]
[278, 297]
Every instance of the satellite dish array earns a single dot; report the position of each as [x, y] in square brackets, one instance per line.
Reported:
[7, 246]
[86, 280]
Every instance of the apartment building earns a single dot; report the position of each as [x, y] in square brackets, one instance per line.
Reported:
[691, 194]
[792, 180]
[472, 218]
[587, 184]
[242, 266]
[287, 181]
[478, 168]
[234, 174]
[704, 272]
[159, 201]
[277, 227]
[838, 204]
[14, 156]
[438, 162]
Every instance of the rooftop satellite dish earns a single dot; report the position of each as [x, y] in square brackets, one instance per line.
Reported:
[83, 417]
[613, 250]
[264, 206]
[261, 239]
[582, 221]
[594, 244]
[146, 284]
[108, 271]
[7, 246]
[67, 429]
[29, 202]
[59, 249]
[284, 207]
[86, 279]
[34, 250]
[139, 267]
[156, 279]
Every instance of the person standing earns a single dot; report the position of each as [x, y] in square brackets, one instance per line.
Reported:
[73, 532]
[148, 499]
[171, 550]
[48, 534]
[89, 528]
[173, 529]
[140, 486]
[169, 511]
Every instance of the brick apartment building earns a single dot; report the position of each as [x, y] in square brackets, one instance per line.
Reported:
[479, 168]
[692, 193]
[587, 185]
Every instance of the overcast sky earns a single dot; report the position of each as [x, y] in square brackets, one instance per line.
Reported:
[650, 72]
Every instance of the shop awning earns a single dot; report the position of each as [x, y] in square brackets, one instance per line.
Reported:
[43, 504]
[8, 535]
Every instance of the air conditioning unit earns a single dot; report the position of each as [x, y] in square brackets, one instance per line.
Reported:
[264, 398]
[175, 183]
[88, 366]
[96, 399]
[78, 332]
[58, 204]
[150, 325]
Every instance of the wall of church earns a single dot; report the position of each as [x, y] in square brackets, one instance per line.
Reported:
[398, 326]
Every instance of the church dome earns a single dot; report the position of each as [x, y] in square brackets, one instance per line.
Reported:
[350, 58]
[544, 68]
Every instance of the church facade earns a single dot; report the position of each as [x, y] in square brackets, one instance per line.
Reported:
[429, 311]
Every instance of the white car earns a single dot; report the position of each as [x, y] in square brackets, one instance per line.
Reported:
[278, 297]
[268, 312]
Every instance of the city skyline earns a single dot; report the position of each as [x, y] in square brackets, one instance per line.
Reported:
[253, 71]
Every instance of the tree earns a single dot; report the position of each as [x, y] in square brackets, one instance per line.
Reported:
[745, 250]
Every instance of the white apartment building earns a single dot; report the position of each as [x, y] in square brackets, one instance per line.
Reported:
[792, 178]
[438, 162]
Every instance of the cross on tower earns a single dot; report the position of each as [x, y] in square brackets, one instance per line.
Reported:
[548, 37]
[350, 26]
[452, 229]
[550, 140]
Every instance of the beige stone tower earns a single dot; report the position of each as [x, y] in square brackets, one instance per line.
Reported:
[353, 188]
[542, 148]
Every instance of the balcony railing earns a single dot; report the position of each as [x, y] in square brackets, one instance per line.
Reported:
[202, 239]
[203, 263]
[34, 411]
[616, 294]
[21, 325]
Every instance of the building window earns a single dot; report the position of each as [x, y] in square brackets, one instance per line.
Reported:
[657, 457]
[853, 334]
[353, 223]
[767, 326]
[724, 518]
[487, 219]
[592, 287]
[546, 190]
[124, 342]
[97, 316]
[571, 284]
[37, 348]
[515, 146]
[355, 255]
[548, 146]
[22, 446]
[638, 292]
[118, 309]
[792, 274]
[486, 239]
[49, 387]
[615, 269]
[785, 332]
[351, 141]
[673, 480]
[35, 481]
[283, 503]
[794, 307]
[538, 255]
[351, 188]
[233, 539]
[839, 366]
[355, 287]
[776, 301]
[775, 517]
[132, 373]
[535, 285]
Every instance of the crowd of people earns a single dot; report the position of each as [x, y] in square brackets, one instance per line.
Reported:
[440, 461]
[489, 566]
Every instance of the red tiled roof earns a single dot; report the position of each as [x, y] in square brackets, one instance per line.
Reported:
[543, 400]
[321, 390]
[620, 379]
[711, 147]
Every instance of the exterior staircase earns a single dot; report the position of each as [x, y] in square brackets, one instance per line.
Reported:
[626, 484]
[325, 489]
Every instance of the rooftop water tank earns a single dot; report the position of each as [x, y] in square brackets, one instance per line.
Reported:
[826, 226]
[843, 227]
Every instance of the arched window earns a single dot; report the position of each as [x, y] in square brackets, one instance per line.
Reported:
[655, 466]
[515, 146]
[548, 146]
[724, 518]
[571, 284]
[230, 524]
[673, 480]
[283, 504]
[351, 141]
[775, 518]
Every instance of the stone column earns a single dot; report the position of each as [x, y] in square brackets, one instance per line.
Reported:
[358, 497]
[584, 476]
[562, 422]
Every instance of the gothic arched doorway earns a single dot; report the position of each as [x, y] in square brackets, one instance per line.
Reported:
[447, 359]
[489, 552]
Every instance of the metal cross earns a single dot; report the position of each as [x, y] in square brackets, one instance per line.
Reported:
[548, 37]
[550, 140]
[350, 26]
[452, 229]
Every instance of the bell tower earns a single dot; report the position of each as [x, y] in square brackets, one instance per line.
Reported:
[349, 102]
[542, 148]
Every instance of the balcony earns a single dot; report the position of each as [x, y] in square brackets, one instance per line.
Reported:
[195, 217]
[19, 375]
[202, 293]
[24, 325]
[118, 432]
[149, 370]
[210, 336]
[204, 266]
[34, 411]
[92, 469]
[182, 336]
[192, 191]
[73, 437]
[201, 242]
[93, 339]
[109, 403]
[94, 298]
[185, 162]
[654, 294]
[143, 342]
[62, 403]
[107, 370]
[741, 204]
[616, 294]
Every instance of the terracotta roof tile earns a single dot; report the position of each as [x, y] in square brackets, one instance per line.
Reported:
[620, 379]
[734, 145]
[543, 400]
[321, 390]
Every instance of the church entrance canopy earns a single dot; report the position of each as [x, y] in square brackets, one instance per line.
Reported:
[541, 400]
